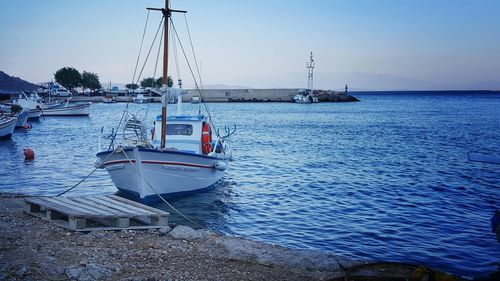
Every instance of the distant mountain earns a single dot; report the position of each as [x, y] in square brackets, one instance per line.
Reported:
[12, 85]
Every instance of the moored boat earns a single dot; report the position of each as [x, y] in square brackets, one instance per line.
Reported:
[7, 126]
[184, 155]
[78, 109]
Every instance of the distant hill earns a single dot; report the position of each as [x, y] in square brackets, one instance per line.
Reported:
[12, 85]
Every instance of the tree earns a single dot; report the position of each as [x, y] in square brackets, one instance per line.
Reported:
[68, 77]
[90, 81]
[148, 82]
[151, 82]
[159, 82]
[132, 86]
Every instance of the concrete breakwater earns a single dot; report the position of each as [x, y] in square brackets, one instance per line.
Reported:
[264, 95]
[239, 95]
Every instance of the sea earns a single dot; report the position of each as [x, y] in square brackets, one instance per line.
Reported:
[387, 178]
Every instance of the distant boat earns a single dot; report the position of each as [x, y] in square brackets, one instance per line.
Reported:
[307, 95]
[140, 99]
[7, 126]
[195, 99]
[108, 99]
[65, 109]
[14, 110]
[33, 103]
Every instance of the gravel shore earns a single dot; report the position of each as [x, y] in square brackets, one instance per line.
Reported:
[33, 249]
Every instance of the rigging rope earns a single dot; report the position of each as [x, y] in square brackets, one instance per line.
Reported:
[194, 78]
[150, 48]
[192, 49]
[140, 49]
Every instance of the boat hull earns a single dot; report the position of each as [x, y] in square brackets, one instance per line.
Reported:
[146, 172]
[22, 118]
[7, 127]
[72, 110]
[34, 114]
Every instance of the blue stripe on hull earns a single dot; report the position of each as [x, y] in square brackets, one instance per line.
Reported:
[154, 198]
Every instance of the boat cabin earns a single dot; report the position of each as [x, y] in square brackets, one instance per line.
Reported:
[190, 134]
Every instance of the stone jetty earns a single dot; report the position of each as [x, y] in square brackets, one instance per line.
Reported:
[240, 95]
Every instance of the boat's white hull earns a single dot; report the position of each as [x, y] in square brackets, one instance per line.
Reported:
[34, 114]
[7, 127]
[22, 118]
[171, 173]
[70, 110]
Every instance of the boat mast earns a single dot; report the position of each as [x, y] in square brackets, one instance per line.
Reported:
[166, 17]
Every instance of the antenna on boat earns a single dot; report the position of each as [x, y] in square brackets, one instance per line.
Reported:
[167, 12]
[310, 67]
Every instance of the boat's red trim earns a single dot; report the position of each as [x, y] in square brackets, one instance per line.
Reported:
[174, 163]
[157, 162]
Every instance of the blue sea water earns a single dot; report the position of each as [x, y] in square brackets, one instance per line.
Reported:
[386, 178]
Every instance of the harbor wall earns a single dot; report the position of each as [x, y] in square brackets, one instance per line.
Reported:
[239, 95]
[243, 95]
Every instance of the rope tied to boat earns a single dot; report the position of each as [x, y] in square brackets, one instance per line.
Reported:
[159, 195]
[87, 176]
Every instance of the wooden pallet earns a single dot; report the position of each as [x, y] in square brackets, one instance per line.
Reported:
[98, 212]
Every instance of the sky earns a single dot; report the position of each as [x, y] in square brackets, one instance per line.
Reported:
[368, 44]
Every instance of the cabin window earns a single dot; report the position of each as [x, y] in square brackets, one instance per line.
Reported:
[179, 129]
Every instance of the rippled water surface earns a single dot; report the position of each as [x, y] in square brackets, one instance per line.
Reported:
[386, 178]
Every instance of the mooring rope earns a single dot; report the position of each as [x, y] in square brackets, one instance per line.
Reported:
[161, 197]
[86, 177]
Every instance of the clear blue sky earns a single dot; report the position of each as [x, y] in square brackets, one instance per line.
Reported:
[369, 44]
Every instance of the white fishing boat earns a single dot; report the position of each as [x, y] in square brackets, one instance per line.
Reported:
[65, 109]
[307, 95]
[140, 99]
[108, 99]
[184, 155]
[17, 111]
[195, 99]
[7, 126]
[33, 103]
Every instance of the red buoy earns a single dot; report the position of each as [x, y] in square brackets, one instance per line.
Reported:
[29, 154]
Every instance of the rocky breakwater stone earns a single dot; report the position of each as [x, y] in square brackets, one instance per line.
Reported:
[272, 255]
[185, 232]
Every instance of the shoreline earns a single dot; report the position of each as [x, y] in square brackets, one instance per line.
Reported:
[34, 249]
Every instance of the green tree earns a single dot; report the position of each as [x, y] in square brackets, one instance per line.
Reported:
[90, 81]
[159, 82]
[68, 77]
[132, 86]
[148, 82]
[151, 82]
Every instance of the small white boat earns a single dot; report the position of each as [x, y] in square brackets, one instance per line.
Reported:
[33, 103]
[14, 110]
[195, 99]
[305, 96]
[108, 99]
[7, 126]
[78, 109]
[184, 155]
[139, 99]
